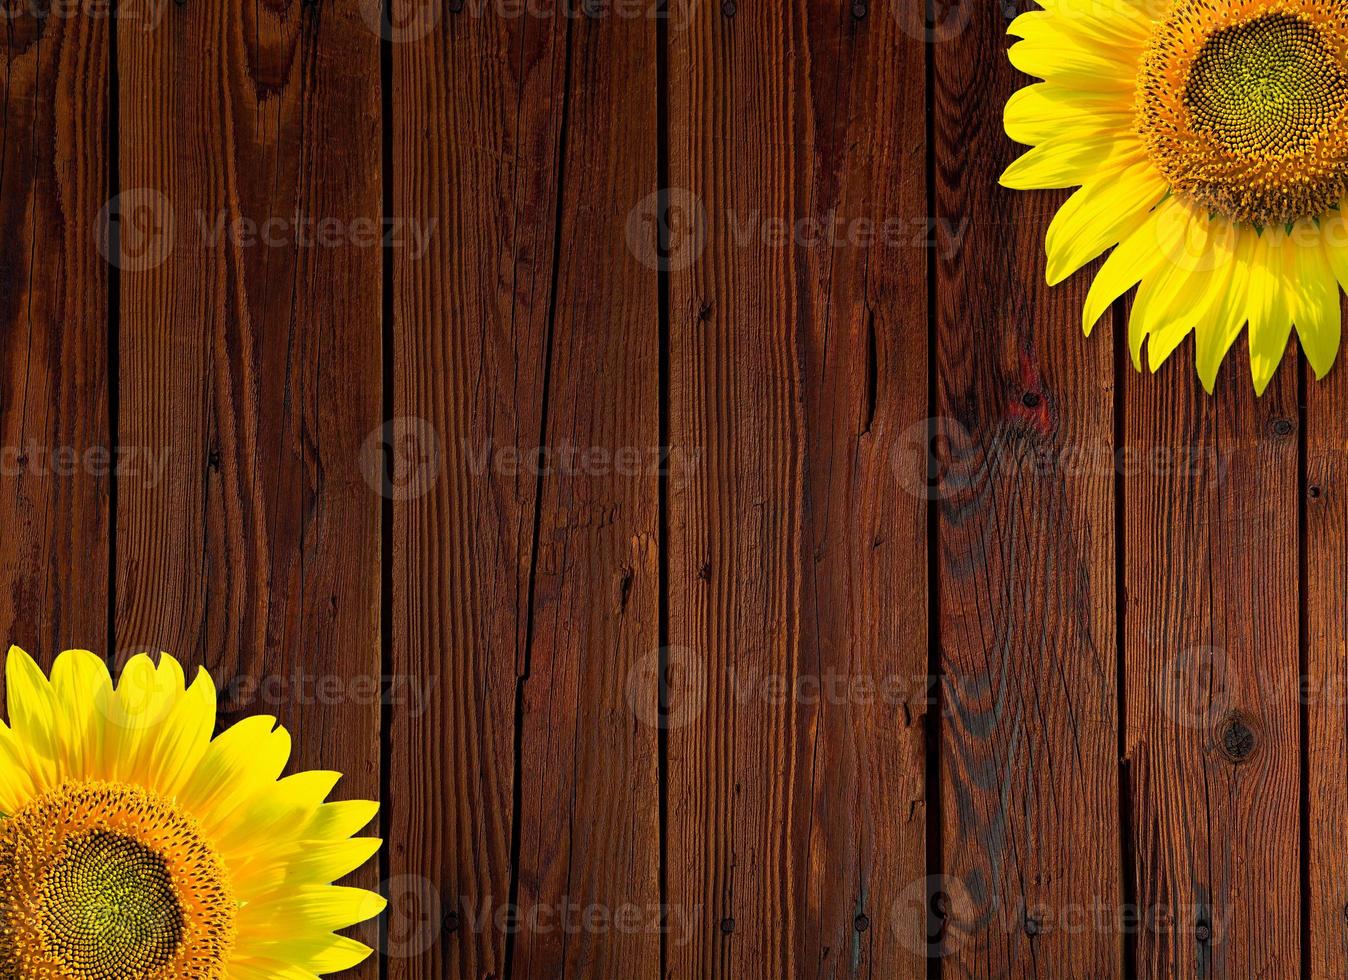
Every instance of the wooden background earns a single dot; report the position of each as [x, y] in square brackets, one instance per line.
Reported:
[762, 574]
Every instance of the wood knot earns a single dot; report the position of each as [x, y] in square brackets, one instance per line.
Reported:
[1033, 927]
[1031, 399]
[1236, 739]
[1281, 428]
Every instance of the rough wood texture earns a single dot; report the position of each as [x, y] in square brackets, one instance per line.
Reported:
[1025, 438]
[246, 364]
[1325, 690]
[520, 328]
[666, 714]
[797, 551]
[55, 450]
[471, 327]
[1210, 532]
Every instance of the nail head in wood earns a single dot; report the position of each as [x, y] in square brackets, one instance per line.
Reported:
[1033, 926]
[727, 926]
[729, 8]
[862, 923]
[1203, 932]
[859, 11]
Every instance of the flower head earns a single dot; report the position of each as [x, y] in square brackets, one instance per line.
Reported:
[133, 844]
[1209, 140]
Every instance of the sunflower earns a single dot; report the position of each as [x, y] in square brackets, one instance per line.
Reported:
[134, 845]
[1209, 140]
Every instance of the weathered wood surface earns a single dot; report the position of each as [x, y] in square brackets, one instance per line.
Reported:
[55, 458]
[1026, 537]
[797, 558]
[1211, 656]
[672, 391]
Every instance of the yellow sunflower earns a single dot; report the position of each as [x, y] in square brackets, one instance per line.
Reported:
[1209, 140]
[134, 846]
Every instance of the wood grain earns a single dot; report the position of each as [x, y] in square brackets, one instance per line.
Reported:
[55, 450]
[471, 328]
[1210, 538]
[1032, 879]
[250, 362]
[797, 552]
[536, 606]
[1324, 692]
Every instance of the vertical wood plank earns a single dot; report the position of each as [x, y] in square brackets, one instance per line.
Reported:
[1325, 688]
[1029, 766]
[55, 455]
[589, 813]
[250, 343]
[1211, 525]
[477, 107]
[555, 606]
[797, 562]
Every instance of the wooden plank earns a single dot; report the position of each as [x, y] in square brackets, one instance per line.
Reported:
[55, 452]
[589, 812]
[1026, 437]
[1325, 691]
[1211, 524]
[797, 561]
[250, 358]
[470, 334]
[550, 618]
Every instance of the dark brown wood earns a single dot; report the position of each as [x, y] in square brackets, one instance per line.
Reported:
[1025, 437]
[55, 451]
[1324, 693]
[471, 326]
[1211, 538]
[248, 359]
[797, 549]
[485, 326]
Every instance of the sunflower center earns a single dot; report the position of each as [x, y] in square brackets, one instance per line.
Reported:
[110, 907]
[1244, 106]
[104, 881]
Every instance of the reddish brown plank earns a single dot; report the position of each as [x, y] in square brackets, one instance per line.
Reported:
[482, 327]
[470, 322]
[797, 558]
[1025, 438]
[1210, 535]
[55, 453]
[590, 806]
[251, 360]
[1325, 690]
